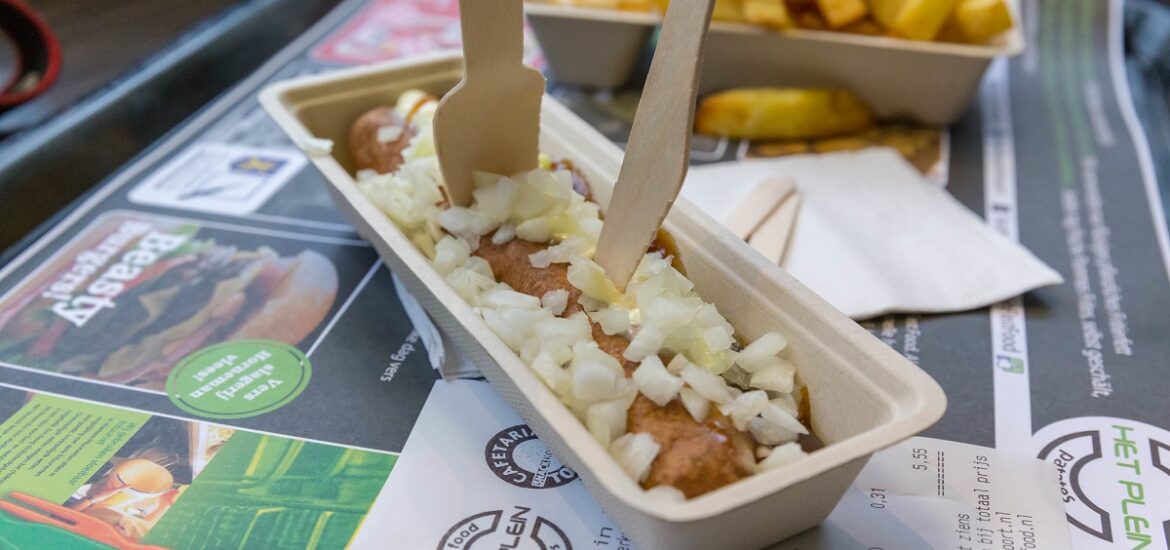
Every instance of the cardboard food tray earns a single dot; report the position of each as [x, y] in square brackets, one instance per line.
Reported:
[929, 82]
[864, 396]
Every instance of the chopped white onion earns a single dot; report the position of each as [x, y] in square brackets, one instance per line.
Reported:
[744, 408]
[504, 234]
[787, 402]
[635, 453]
[710, 386]
[494, 200]
[676, 364]
[781, 418]
[696, 404]
[464, 221]
[768, 433]
[555, 301]
[596, 374]
[717, 338]
[655, 383]
[646, 342]
[590, 279]
[778, 375]
[535, 230]
[606, 421]
[469, 283]
[502, 296]
[759, 352]
[781, 456]
[569, 248]
[540, 259]
[450, 253]
[613, 320]
[553, 375]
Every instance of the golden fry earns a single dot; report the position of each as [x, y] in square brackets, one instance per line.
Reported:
[728, 10]
[921, 19]
[839, 13]
[866, 26]
[636, 5]
[769, 13]
[885, 11]
[781, 113]
[979, 20]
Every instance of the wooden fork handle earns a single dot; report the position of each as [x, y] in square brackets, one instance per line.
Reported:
[658, 150]
[493, 33]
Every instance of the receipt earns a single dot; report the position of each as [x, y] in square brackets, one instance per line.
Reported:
[935, 494]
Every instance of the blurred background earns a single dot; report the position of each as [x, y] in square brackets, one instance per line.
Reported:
[134, 69]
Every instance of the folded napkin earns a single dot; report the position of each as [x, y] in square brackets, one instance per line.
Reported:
[874, 237]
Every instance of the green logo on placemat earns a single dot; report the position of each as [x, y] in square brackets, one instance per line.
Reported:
[238, 379]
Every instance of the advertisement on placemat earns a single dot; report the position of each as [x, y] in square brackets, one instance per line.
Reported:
[132, 295]
[217, 321]
[83, 475]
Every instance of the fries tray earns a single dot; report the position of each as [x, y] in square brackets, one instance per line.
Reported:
[864, 396]
[928, 82]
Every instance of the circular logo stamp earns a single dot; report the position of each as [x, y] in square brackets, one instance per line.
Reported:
[516, 456]
[1114, 478]
[515, 528]
[238, 379]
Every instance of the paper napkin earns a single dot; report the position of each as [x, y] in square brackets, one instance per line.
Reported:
[874, 237]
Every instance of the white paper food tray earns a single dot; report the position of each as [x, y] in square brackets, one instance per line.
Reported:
[929, 82]
[864, 396]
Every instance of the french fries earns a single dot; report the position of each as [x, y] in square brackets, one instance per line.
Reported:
[967, 21]
[838, 13]
[885, 11]
[768, 13]
[921, 19]
[978, 20]
[781, 113]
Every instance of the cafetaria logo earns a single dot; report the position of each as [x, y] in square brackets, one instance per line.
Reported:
[1114, 480]
[516, 456]
[516, 528]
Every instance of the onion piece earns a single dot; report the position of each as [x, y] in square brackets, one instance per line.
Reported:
[534, 230]
[788, 403]
[465, 221]
[635, 453]
[768, 433]
[779, 375]
[696, 404]
[606, 420]
[745, 407]
[555, 301]
[781, 418]
[655, 383]
[781, 456]
[676, 364]
[613, 320]
[590, 278]
[553, 375]
[710, 386]
[450, 253]
[646, 343]
[502, 296]
[504, 234]
[759, 352]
